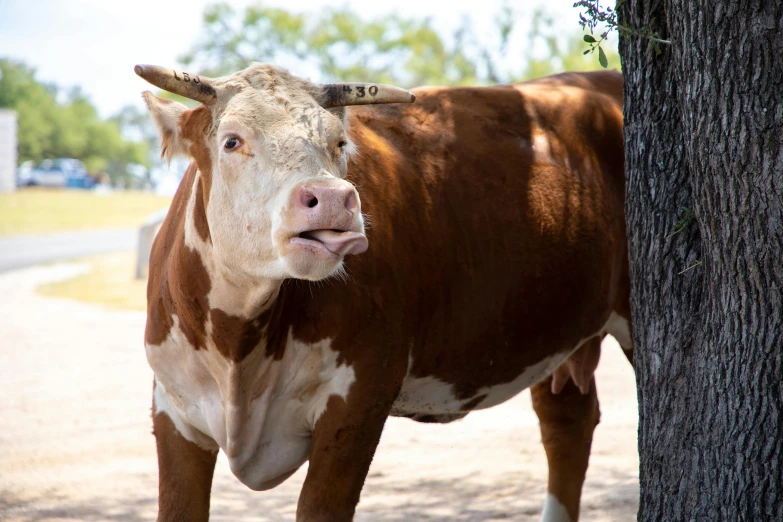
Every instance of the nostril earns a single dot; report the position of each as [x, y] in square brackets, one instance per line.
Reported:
[351, 203]
[308, 199]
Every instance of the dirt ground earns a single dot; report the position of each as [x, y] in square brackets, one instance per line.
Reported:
[75, 393]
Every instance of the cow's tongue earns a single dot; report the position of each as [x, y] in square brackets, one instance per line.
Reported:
[341, 243]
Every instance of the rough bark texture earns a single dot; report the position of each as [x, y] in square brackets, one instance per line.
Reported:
[704, 131]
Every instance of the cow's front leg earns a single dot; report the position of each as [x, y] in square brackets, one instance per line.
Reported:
[344, 441]
[184, 474]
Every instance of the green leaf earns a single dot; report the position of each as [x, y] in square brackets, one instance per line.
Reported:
[588, 38]
[587, 51]
[602, 58]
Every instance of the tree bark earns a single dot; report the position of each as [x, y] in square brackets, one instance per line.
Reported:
[704, 214]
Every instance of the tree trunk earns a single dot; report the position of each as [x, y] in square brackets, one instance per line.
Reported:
[704, 213]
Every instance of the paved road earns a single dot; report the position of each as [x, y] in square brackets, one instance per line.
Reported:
[23, 251]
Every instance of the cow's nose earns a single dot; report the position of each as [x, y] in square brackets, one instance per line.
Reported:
[319, 197]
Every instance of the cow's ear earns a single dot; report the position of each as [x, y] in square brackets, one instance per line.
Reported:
[167, 115]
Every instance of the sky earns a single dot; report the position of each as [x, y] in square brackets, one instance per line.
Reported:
[95, 43]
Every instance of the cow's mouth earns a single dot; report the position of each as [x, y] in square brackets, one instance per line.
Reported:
[338, 242]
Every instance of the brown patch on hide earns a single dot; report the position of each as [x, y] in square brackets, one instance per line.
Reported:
[178, 281]
[235, 337]
[159, 320]
[191, 293]
[184, 471]
[159, 299]
[196, 127]
[200, 212]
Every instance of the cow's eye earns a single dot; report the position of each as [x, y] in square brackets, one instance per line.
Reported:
[341, 143]
[232, 143]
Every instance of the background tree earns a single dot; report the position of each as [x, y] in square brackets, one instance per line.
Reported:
[136, 126]
[704, 160]
[407, 51]
[48, 128]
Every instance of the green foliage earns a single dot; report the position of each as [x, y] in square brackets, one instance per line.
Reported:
[595, 16]
[602, 57]
[559, 55]
[69, 129]
[343, 46]
[338, 41]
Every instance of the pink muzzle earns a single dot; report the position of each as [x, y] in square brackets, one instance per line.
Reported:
[331, 213]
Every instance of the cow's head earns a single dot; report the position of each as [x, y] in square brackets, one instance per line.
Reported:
[272, 153]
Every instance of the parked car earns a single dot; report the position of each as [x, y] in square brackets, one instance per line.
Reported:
[24, 173]
[60, 172]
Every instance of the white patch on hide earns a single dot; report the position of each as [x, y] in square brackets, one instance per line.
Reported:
[432, 395]
[164, 404]
[532, 374]
[332, 379]
[554, 511]
[425, 395]
[619, 328]
[260, 412]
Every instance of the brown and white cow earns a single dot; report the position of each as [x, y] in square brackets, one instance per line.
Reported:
[492, 220]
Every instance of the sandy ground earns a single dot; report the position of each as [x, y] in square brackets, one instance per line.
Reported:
[75, 394]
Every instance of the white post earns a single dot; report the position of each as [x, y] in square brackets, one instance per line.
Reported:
[7, 150]
[147, 234]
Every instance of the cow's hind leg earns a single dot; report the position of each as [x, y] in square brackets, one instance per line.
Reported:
[185, 474]
[567, 421]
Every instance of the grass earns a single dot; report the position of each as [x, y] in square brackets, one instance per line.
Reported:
[36, 210]
[109, 282]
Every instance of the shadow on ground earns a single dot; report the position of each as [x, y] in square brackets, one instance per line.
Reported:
[462, 499]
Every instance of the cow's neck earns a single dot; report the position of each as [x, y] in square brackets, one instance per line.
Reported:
[235, 310]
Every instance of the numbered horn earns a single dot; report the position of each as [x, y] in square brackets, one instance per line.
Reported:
[342, 94]
[191, 86]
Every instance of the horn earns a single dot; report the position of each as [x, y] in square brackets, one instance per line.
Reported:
[342, 94]
[191, 86]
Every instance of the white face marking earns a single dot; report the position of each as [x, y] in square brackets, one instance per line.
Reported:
[554, 511]
[260, 412]
[619, 328]
[237, 296]
[283, 146]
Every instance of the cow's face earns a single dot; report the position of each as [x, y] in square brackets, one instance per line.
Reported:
[272, 163]
[279, 202]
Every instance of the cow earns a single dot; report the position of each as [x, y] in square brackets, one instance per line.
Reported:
[336, 254]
